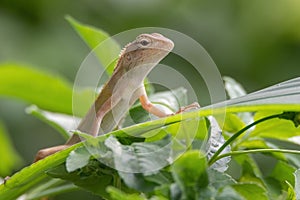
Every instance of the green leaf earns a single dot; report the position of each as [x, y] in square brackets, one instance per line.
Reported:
[258, 143]
[47, 91]
[283, 172]
[189, 172]
[234, 90]
[94, 177]
[281, 97]
[251, 191]
[109, 49]
[217, 187]
[32, 175]
[232, 123]
[290, 192]
[10, 159]
[218, 179]
[297, 183]
[77, 159]
[292, 116]
[278, 129]
[228, 193]
[251, 173]
[139, 157]
[61, 122]
[117, 194]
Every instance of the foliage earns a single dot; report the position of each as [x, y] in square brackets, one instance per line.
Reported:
[164, 158]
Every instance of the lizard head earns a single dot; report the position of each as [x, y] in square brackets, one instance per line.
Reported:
[146, 49]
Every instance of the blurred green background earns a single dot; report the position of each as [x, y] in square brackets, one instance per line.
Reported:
[256, 42]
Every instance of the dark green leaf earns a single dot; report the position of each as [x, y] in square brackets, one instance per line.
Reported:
[218, 179]
[292, 116]
[283, 172]
[109, 49]
[217, 182]
[117, 194]
[250, 173]
[61, 122]
[274, 188]
[189, 172]
[45, 90]
[145, 158]
[94, 177]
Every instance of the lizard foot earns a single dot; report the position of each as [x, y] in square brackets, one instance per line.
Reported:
[192, 106]
[48, 151]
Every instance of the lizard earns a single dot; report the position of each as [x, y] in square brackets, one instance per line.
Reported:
[125, 86]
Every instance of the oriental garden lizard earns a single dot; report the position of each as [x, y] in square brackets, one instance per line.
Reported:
[124, 87]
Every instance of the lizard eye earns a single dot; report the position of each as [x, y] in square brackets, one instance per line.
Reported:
[144, 42]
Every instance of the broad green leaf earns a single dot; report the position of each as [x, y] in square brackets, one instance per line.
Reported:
[107, 52]
[61, 122]
[250, 174]
[232, 123]
[46, 90]
[218, 179]
[140, 157]
[251, 191]
[77, 159]
[274, 188]
[228, 193]
[234, 90]
[32, 175]
[297, 183]
[189, 172]
[283, 172]
[281, 97]
[278, 129]
[241, 159]
[10, 159]
[94, 177]
[117, 194]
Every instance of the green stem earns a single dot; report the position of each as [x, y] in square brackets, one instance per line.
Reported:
[233, 153]
[237, 134]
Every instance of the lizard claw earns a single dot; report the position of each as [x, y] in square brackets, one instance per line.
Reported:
[192, 106]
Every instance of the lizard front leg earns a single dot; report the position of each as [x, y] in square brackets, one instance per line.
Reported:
[151, 108]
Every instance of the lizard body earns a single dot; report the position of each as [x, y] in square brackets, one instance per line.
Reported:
[124, 87]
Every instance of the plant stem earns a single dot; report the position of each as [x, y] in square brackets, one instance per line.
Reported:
[237, 134]
[234, 153]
